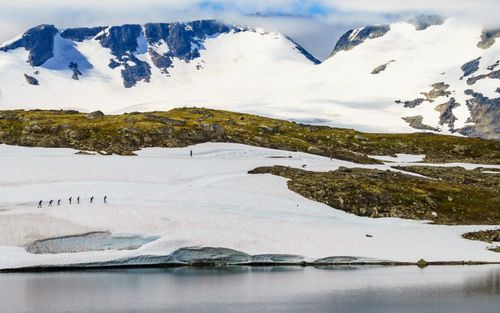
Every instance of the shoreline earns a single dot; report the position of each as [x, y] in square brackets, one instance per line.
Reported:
[82, 268]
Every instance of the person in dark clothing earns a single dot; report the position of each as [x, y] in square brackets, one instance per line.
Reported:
[91, 199]
[191, 153]
[78, 200]
[59, 202]
[40, 203]
[70, 198]
[105, 199]
[51, 202]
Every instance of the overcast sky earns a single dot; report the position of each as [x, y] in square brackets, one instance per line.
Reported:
[315, 24]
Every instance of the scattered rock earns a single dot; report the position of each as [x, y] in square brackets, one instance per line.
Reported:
[416, 122]
[381, 68]
[422, 263]
[470, 67]
[31, 80]
[488, 38]
[94, 115]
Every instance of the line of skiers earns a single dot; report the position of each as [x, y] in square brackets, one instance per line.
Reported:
[70, 200]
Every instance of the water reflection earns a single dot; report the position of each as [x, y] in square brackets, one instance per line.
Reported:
[440, 289]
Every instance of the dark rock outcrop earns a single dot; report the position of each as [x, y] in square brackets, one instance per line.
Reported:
[76, 72]
[81, 34]
[438, 90]
[184, 40]
[446, 115]
[494, 75]
[381, 68]
[31, 80]
[121, 40]
[485, 114]
[39, 41]
[412, 103]
[95, 114]
[139, 71]
[470, 67]
[356, 37]
[493, 66]
[416, 122]
[422, 22]
[488, 38]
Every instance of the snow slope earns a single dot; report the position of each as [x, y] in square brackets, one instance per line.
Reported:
[208, 200]
[254, 71]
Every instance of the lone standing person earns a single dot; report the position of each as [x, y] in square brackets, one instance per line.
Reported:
[191, 153]
[78, 200]
[70, 198]
[40, 203]
[105, 199]
[91, 199]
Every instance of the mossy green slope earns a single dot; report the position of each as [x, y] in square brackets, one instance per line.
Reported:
[126, 133]
[376, 193]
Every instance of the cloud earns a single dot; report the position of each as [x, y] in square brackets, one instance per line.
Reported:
[315, 24]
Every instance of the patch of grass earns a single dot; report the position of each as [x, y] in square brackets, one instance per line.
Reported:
[126, 133]
[488, 236]
[375, 193]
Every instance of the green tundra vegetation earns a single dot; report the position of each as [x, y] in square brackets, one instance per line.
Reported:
[376, 193]
[123, 134]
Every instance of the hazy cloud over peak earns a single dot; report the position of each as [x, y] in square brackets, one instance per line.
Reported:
[316, 24]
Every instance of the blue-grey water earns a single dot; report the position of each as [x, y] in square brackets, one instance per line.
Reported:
[439, 289]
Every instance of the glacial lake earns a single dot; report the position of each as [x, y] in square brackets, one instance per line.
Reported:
[436, 289]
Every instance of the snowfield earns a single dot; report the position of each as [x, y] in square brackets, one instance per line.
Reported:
[263, 73]
[208, 200]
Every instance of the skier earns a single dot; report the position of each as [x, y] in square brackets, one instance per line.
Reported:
[70, 198]
[40, 203]
[78, 200]
[105, 199]
[50, 202]
[59, 202]
[91, 199]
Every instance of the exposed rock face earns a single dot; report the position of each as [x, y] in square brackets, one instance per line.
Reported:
[422, 22]
[138, 71]
[493, 66]
[493, 75]
[485, 114]
[76, 72]
[31, 80]
[411, 103]
[446, 109]
[470, 67]
[304, 52]
[95, 114]
[164, 42]
[81, 34]
[438, 90]
[39, 41]
[498, 90]
[184, 41]
[381, 68]
[416, 122]
[356, 37]
[488, 38]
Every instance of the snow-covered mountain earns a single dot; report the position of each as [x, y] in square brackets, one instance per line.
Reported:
[428, 73]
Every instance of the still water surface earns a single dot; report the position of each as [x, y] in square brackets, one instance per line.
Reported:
[440, 289]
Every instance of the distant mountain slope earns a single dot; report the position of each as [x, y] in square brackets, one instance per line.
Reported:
[426, 74]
